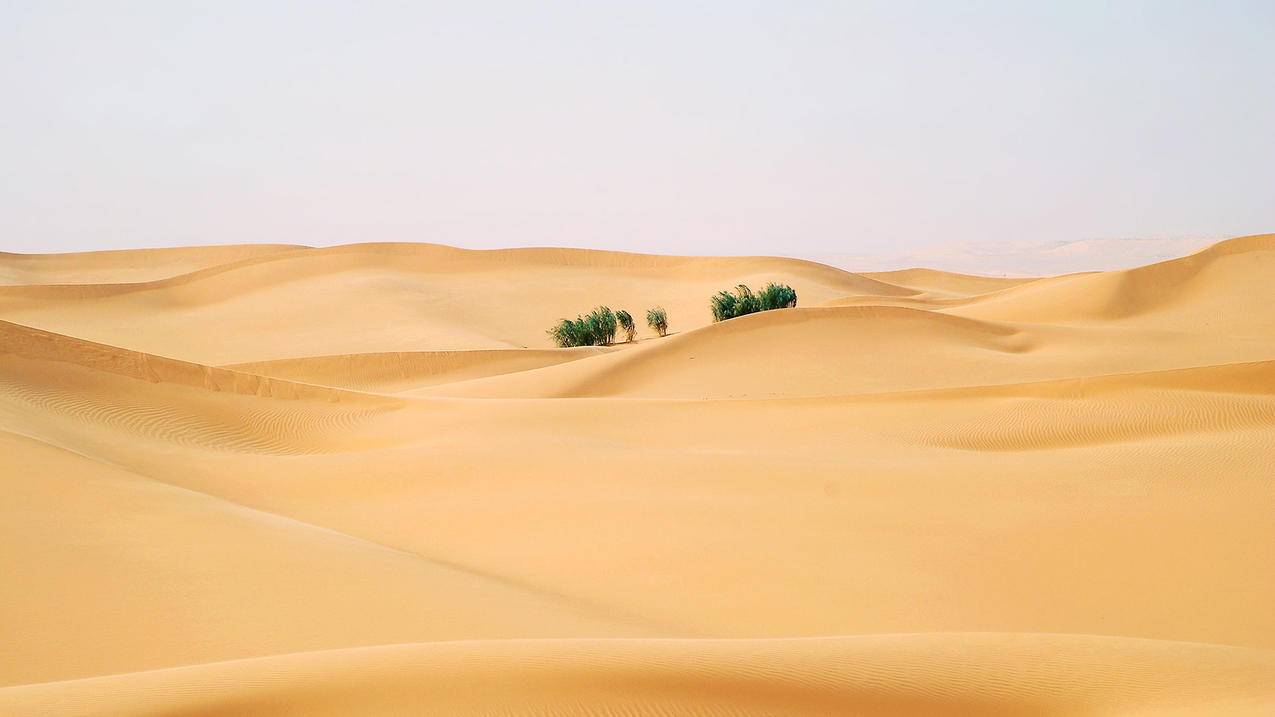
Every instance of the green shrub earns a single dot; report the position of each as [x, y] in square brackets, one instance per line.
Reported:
[728, 305]
[777, 296]
[571, 333]
[625, 320]
[595, 329]
[602, 324]
[657, 319]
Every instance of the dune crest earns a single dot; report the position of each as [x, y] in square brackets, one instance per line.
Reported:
[1218, 289]
[397, 372]
[123, 266]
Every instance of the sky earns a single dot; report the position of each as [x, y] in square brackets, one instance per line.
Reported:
[863, 132]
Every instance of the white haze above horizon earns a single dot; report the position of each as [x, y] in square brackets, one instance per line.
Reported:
[1018, 138]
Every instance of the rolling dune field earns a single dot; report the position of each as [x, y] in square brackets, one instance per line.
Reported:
[275, 479]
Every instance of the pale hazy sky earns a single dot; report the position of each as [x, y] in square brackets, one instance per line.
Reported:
[800, 128]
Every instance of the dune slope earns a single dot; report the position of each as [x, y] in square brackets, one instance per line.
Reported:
[887, 675]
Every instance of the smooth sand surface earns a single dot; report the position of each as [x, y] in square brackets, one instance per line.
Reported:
[359, 480]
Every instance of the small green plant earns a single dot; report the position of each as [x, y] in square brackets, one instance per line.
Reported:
[597, 328]
[728, 305]
[625, 320]
[657, 319]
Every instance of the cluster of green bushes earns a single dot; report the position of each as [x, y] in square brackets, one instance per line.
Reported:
[598, 327]
[728, 305]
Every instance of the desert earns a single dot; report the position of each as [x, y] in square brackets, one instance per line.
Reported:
[362, 479]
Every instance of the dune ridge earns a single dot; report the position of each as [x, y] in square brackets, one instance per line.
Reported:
[1163, 293]
[399, 371]
[124, 265]
[806, 335]
[274, 479]
[946, 283]
[326, 259]
[27, 343]
[70, 382]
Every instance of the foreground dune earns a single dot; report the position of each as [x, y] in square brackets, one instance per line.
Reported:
[941, 674]
[269, 480]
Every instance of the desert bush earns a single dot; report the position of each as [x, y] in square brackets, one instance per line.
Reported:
[597, 328]
[727, 305]
[570, 333]
[657, 319]
[777, 296]
[602, 324]
[723, 305]
[625, 320]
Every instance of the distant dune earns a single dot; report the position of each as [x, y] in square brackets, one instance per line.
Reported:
[117, 267]
[273, 479]
[1021, 257]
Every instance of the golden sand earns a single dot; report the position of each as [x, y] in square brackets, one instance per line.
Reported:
[359, 480]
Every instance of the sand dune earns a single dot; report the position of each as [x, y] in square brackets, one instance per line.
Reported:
[118, 267]
[397, 372]
[1222, 289]
[823, 350]
[56, 385]
[887, 674]
[854, 350]
[398, 298]
[945, 283]
[154, 575]
[283, 480]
